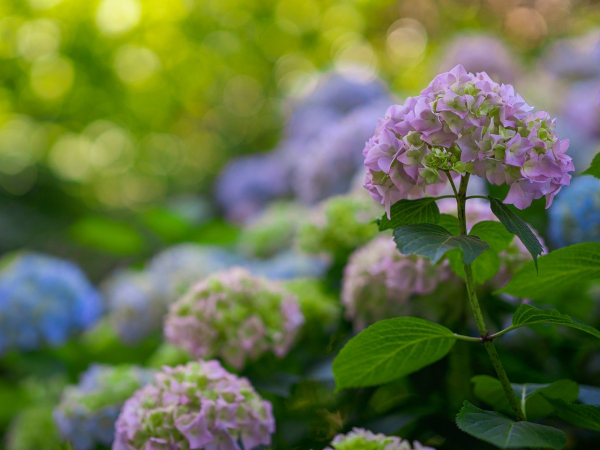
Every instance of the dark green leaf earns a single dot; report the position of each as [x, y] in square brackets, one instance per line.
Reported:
[584, 416]
[390, 349]
[489, 390]
[410, 212]
[561, 272]
[499, 430]
[516, 225]
[594, 169]
[432, 241]
[529, 315]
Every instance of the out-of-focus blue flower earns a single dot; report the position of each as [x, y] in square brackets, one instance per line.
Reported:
[481, 53]
[581, 107]
[575, 58]
[138, 301]
[44, 300]
[288, 265]
[88, 411]
[575, 215]
[318, 135]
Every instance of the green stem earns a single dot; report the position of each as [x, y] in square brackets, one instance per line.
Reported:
[460, 337]
[461, 198]
[477, 196]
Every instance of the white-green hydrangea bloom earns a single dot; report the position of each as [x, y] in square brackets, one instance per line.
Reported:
[361, 439]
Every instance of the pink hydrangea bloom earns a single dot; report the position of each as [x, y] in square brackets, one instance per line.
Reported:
[466, 123]
[196, 406]
[379, 281]
[235, 316]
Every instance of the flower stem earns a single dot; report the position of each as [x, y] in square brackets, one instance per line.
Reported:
[461, 198]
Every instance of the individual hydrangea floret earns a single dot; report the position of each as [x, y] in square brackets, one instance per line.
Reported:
[379, 281]
[339, 225]
[136, 306]
[361, 439]
[465, 123]
[235, 316]
[195, 406]
[272, 231]
[44, 300]
[88, 411]
[575, 216]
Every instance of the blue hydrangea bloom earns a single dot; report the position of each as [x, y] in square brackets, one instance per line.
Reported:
[289, 264]
[575, 214]
[88, 411]
[44, 300]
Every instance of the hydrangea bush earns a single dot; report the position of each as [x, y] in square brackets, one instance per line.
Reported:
[44, 301]
[195, 406]
[88, 411]
[361, 439]
[235, 316]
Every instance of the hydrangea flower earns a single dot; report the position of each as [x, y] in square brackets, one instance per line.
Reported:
[44, 300]
[379, 281]
[575, 58]
[88, 411]
[361, 439]
[481, 53]
[339, 225]
[135, 304]
[465, 123]
[272, 231]
[575, 216]
[287, 265]
[195, 406]
[235, 316]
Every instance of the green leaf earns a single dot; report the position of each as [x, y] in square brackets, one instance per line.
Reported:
[584, 416]
[450, 223]
[390, 349]
[516, 225]
[499, 430]
[484, 267]
[494, 233]
[432, 241]
[529, 315]
[489, 390]
[594, 169]
[410, 212]
[561, 272]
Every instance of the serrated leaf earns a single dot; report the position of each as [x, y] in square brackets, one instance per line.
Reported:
[561, 272]
[489, 390]
[432, 241]
[594, 168]
[584, 416]
[499, 430]
[410, 212]
[529, 315]
[516, 225]
[390, 349]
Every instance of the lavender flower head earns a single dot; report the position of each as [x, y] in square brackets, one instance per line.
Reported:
[361, 439]
[575, 216]
[44, 300]
[481, 53]
[235, 316]
[88, 411]
[379, 281]
[195, 406]
[465, 123]
[339, 225]
[136, 306]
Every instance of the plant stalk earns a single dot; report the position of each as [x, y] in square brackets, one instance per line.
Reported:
[461, 198]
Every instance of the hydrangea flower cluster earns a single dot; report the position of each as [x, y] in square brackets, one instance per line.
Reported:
[287, 265]
[361, 439]
[195, 406]
[138, 300]
[379, 281]
[235, 316]
[575, 216]
[465, 123]
[481, 53]
[88, 411]
[339, 225]
[318, 126]
[44, 300]
[272, 231]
